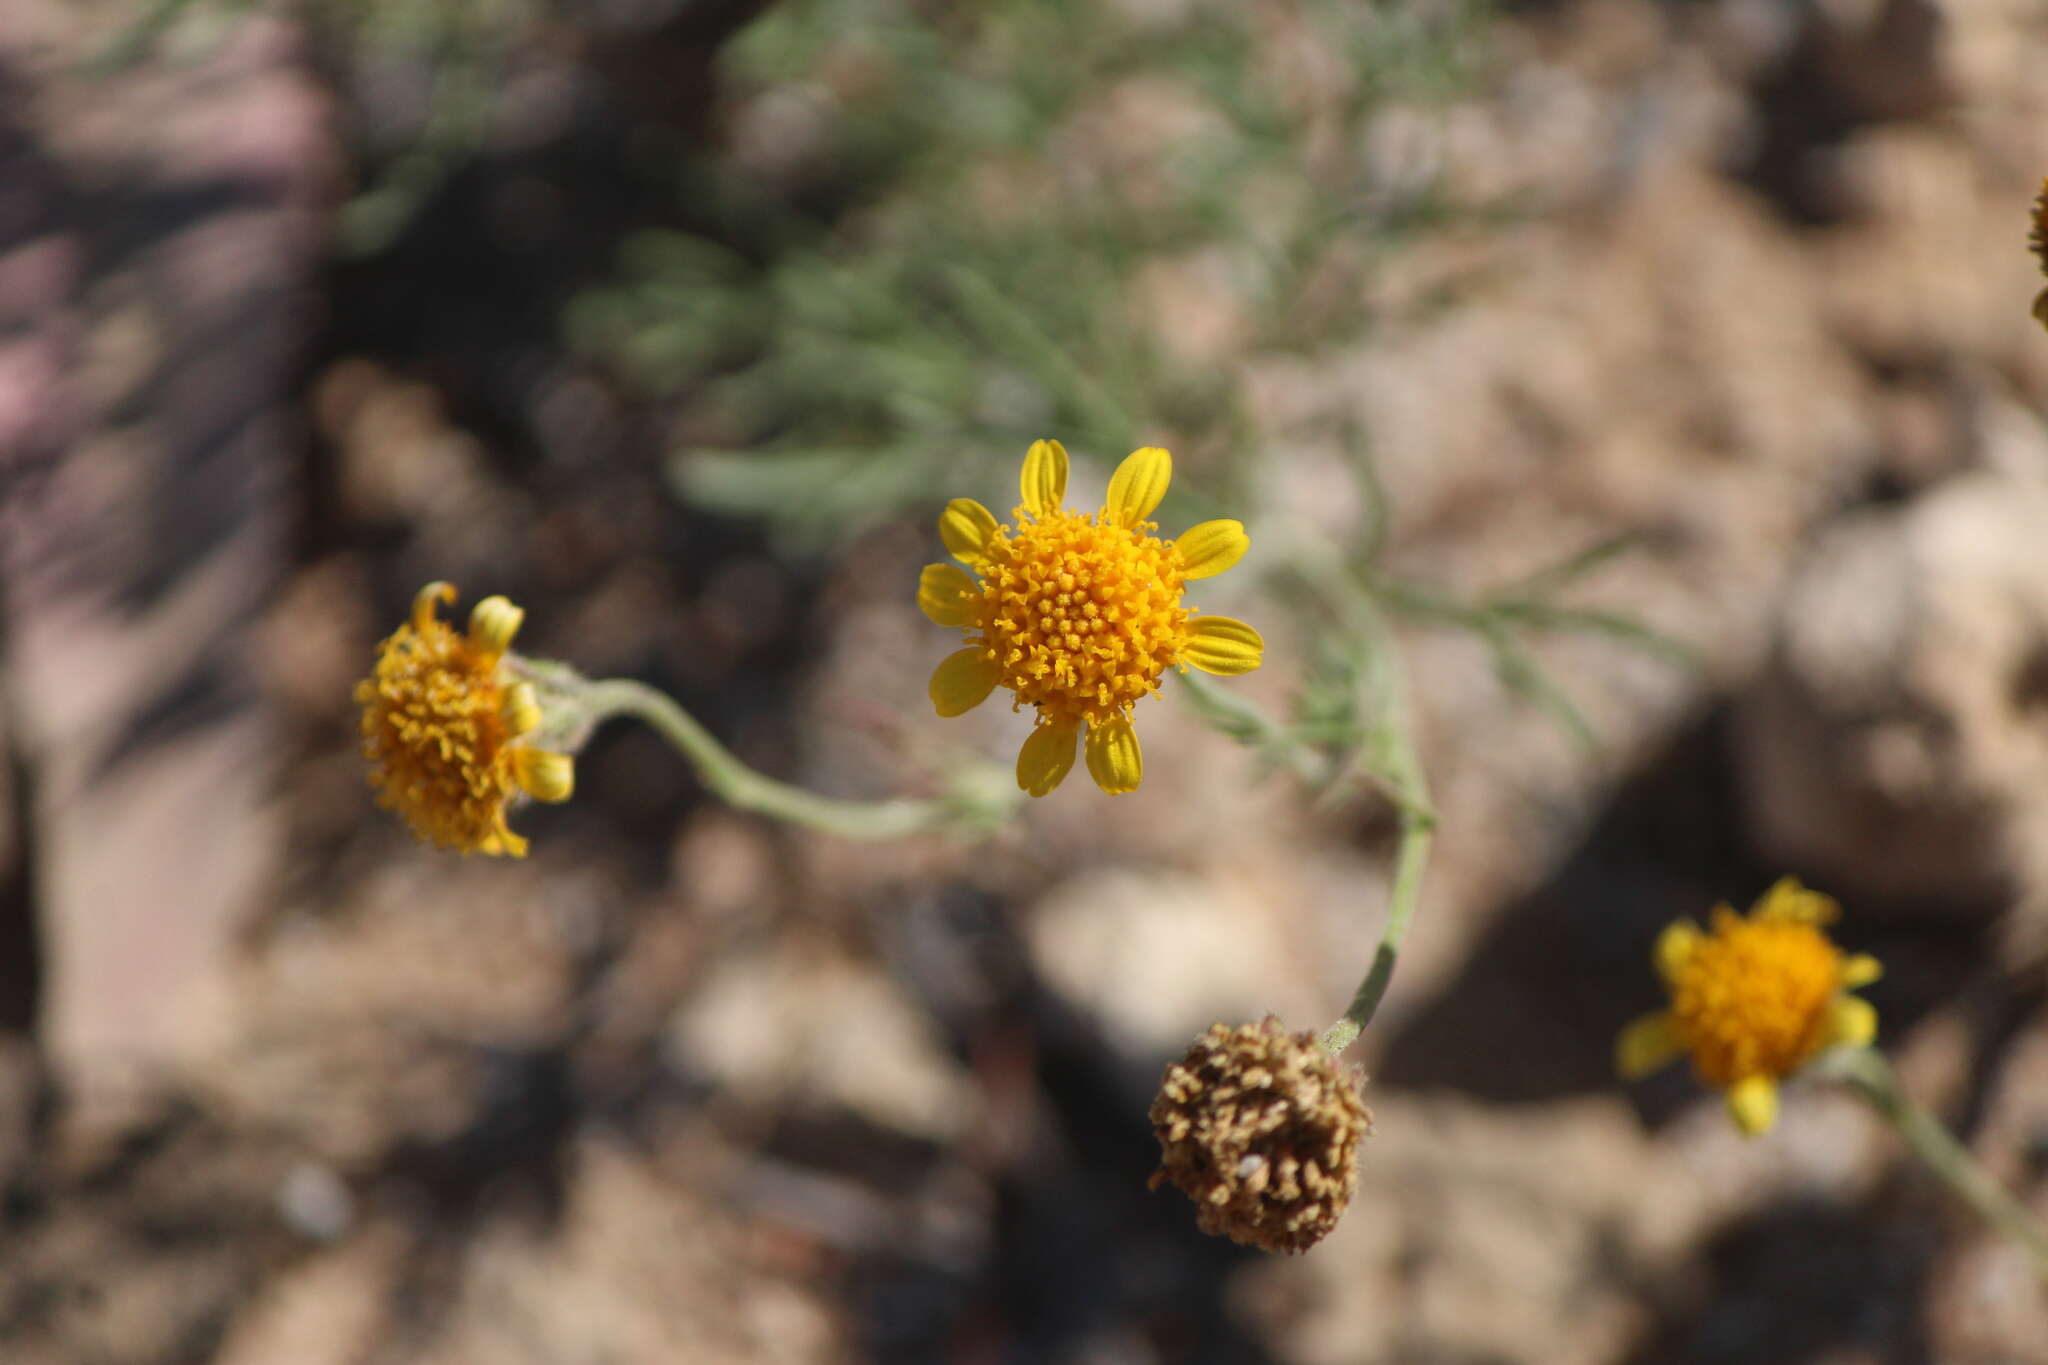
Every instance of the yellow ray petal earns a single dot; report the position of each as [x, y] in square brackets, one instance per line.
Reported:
[521, 710]
[1047, 756]
[966, 527]
[945, 593]
[1753, 1104]
[963, 680]
[1210, 548]
[492, 624]
[544, 776]
[1114, 759]
[1138, 485]
[1675, 947]
[1044, 479]
[1788, 900]
[1647, 1044]
[1219, 644]
[502, 842]
[1860, 969]
[1851, 1022]
[425, 600]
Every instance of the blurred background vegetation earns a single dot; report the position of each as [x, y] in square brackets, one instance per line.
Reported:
[1633, 406]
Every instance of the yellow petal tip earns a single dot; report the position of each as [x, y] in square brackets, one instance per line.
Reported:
[436, 593]
[1753, 1104]
[962, 681]
[521, 710]
[1114, 759]
[1646, 1045]
[1047, 756]
[1138, 485]
[1675, 947]
[492, 624]
[1788, 899]
[1223, 646]
[1852, 1022]
[1043, 479]
[1212, 547]
[944, 593]
[545, 776]
[966, 527]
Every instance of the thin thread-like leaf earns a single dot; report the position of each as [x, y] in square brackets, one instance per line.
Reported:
[1521, 674]
[1545, 581]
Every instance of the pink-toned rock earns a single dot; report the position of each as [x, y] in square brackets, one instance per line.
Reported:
[145, 470]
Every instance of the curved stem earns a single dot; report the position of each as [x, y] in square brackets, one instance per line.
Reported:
[738, 785]
[1871, 1076]
[1418, 828]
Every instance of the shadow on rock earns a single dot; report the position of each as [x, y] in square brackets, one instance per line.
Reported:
[1079, 1256]
[1566, 966]
[1802, 1281]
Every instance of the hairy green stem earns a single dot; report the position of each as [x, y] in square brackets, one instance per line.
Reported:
[1418, 827]
[1244, 722]
[1870, 1075]
[1402, 770]
[576, 705]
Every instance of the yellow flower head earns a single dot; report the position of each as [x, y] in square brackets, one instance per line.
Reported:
[445, 729]
[2038, 240]
[1753, 1000]
[1079, 614]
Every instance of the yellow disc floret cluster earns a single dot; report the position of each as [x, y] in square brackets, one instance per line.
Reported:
[1082, 617]
[446, 731]
[1754, 999]
[1751, 999]
[1079, 614]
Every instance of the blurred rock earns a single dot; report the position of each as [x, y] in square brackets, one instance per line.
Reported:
[400, 461]
[1157, 956]
[1893, 749]
[816, 1033]
[315, 1202]
[122, 1175]
[687, 1086]
[1987, 1298]
[1457, 1207]
[642, 1268]
[170, 248]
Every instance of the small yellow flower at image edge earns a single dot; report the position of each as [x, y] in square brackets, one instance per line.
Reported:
[447, 730]
[1079, 614]
[2037, 240]
[1753, 1000]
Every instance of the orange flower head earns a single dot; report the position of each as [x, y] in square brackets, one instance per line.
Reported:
[1753, 1000]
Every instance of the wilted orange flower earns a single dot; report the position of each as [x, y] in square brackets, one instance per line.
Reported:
[1079, 614]
[446, 731]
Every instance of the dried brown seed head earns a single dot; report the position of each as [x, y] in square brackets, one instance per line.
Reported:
[1260, 1128]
